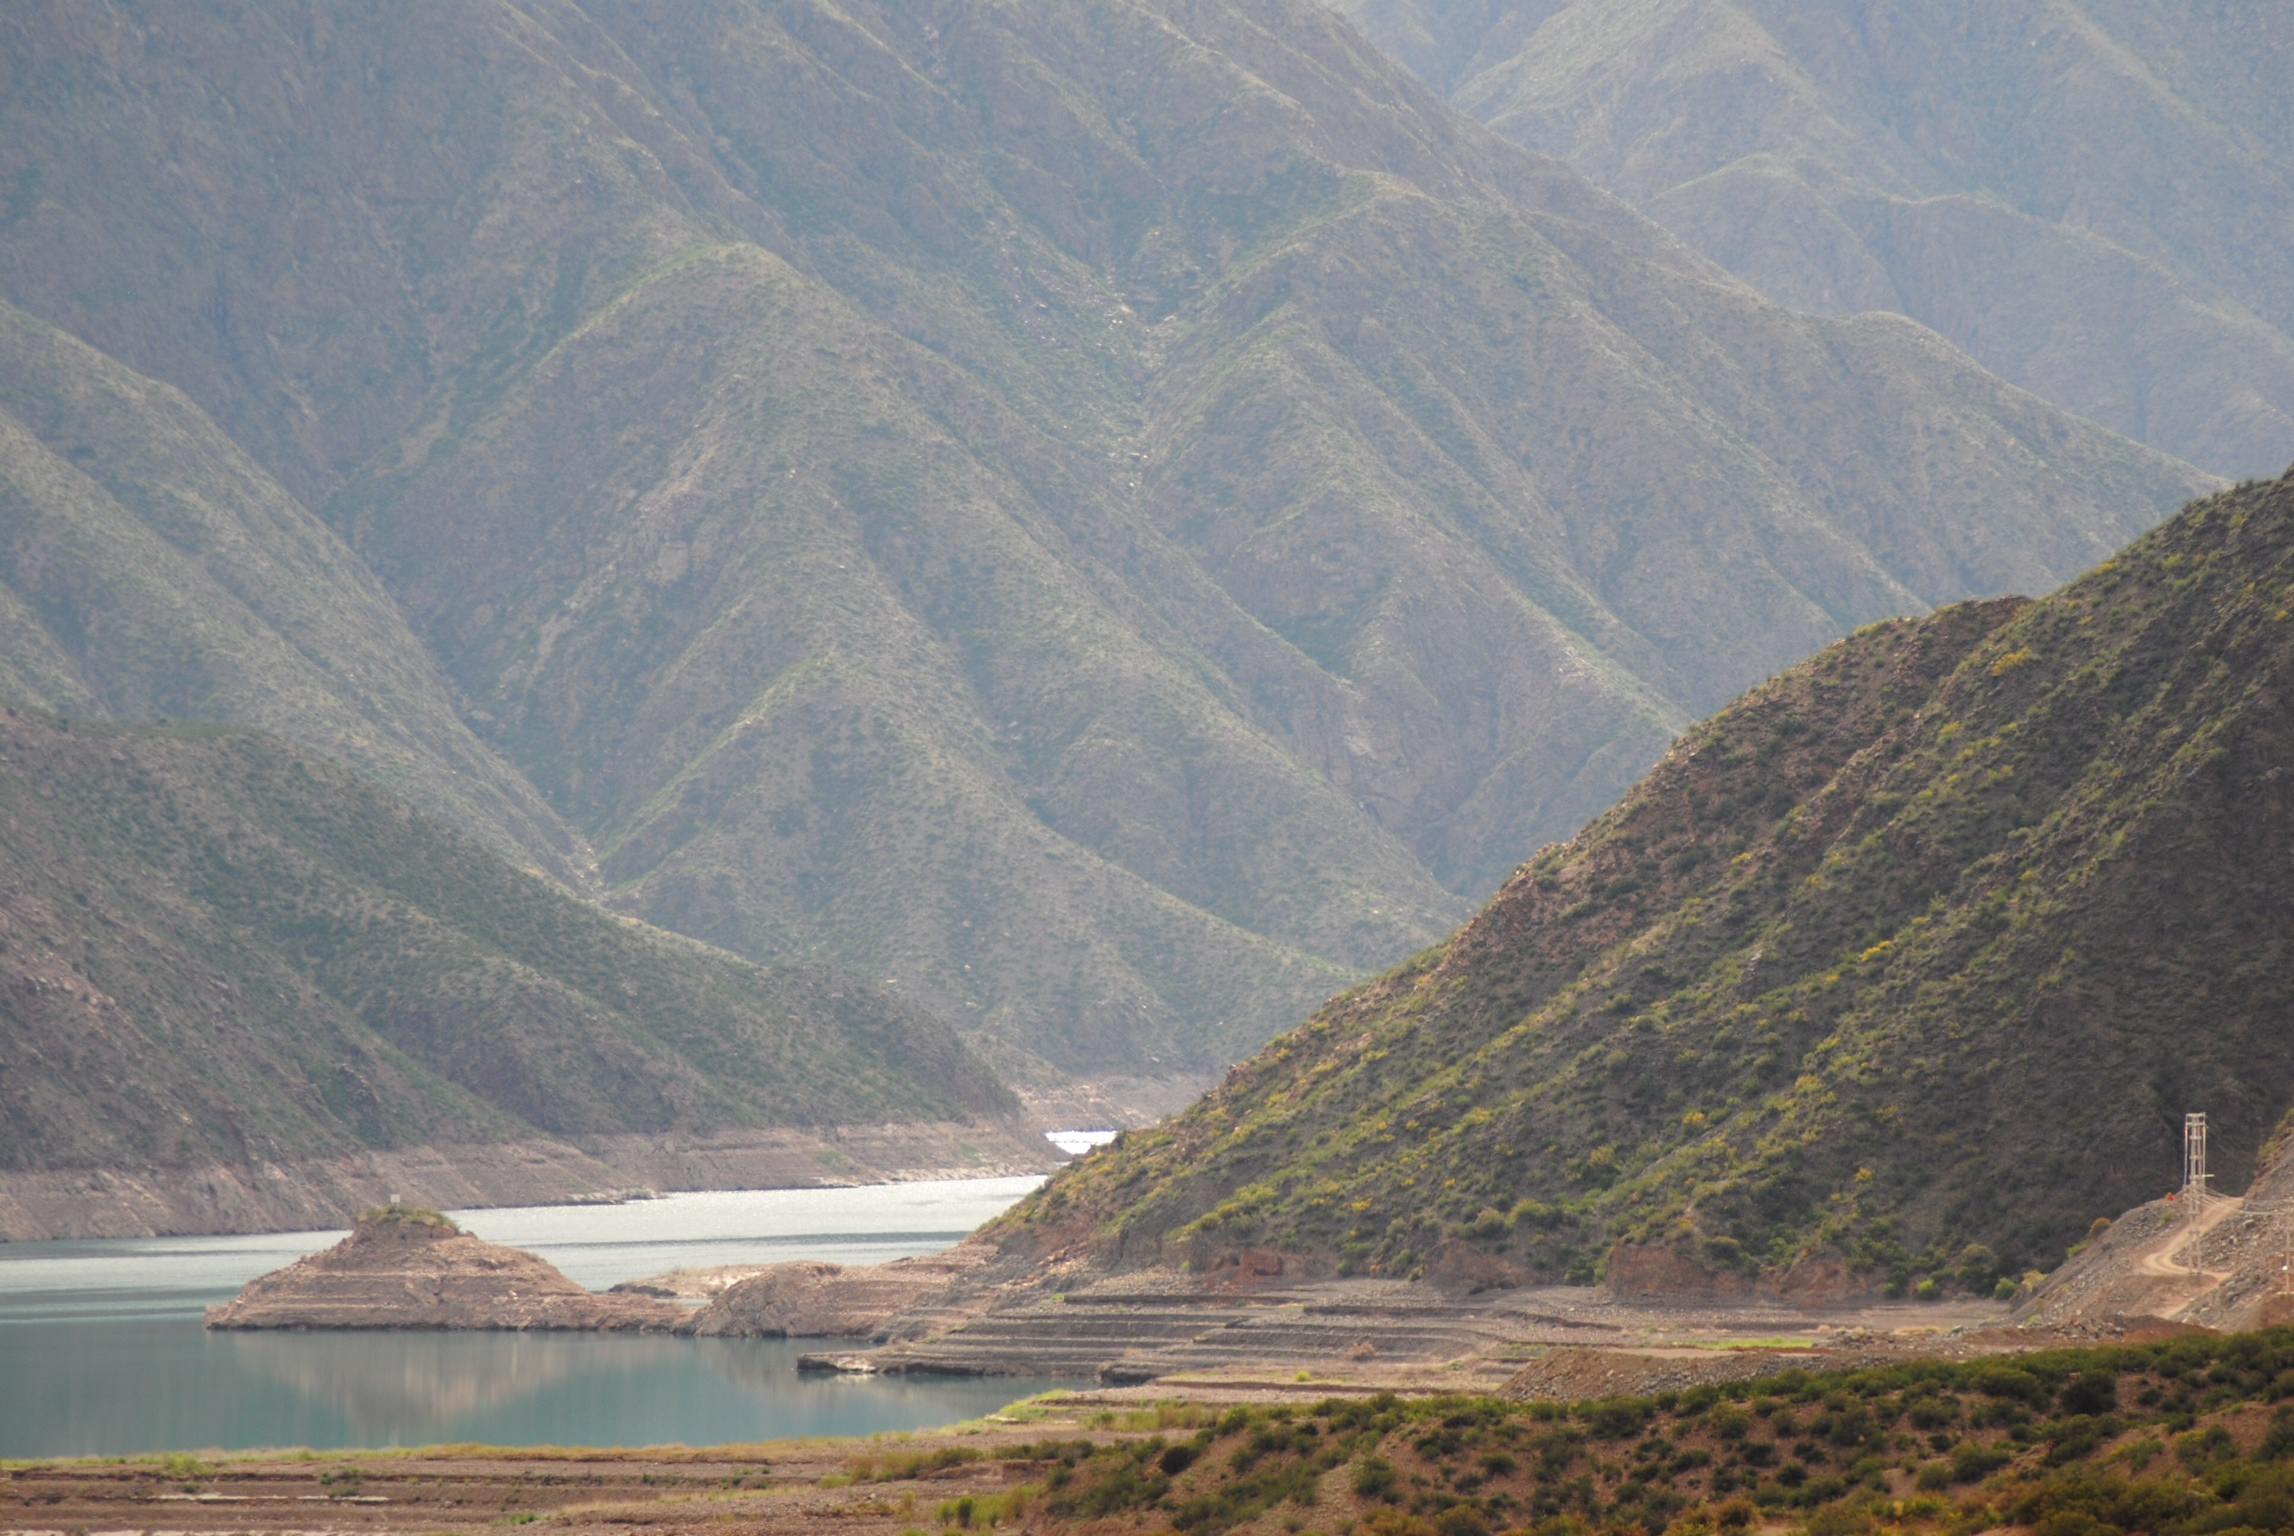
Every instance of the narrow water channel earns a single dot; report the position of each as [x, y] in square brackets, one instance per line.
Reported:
[102, 1353]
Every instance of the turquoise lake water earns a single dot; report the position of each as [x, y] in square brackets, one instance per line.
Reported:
[101, 1349]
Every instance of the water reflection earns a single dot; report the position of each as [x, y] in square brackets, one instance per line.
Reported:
[101, 1349]
[166, 1385]
[412, 1380]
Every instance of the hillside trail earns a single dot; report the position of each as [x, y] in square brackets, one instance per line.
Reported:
[2159, 1258]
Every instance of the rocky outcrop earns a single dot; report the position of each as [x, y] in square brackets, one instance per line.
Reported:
[688, 1285]
[1647, 1271]
[836, 1301]
[415, 1269]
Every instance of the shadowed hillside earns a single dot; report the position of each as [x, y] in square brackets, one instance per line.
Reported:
[1914, 956]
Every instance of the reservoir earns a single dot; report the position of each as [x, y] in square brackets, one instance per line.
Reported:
[102, 1352]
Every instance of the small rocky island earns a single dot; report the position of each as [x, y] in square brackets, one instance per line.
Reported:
[407, 1268]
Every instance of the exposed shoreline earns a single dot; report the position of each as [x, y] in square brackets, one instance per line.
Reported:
[325, 1193]
[1346, 1456]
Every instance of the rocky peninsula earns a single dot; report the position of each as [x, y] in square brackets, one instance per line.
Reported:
[408, 1268]
[812, 1300]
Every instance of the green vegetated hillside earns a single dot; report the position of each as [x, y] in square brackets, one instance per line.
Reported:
[1912, 958]
[2090, 196]
[216, 948]
[150, 570]
[2195, 1435]
[1109, 519]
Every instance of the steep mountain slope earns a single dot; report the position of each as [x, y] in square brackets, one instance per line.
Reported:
[218, 952]
[1109, 518]
[2090, 196]
[1927, 943]
[149, 570]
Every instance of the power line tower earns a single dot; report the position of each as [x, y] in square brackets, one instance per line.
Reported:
[2286, 1259]
[2195, 1193]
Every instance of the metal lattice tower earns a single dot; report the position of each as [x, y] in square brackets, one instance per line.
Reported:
[2195, 1194]
[2286, 1258]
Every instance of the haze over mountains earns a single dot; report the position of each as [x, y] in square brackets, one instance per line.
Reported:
[150, 570]
[2091, 196]
[1908, 962]
[1106, 520]
[266, 993]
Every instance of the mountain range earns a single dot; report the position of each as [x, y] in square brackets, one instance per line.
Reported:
[149, 570]
[1908, 963]
[2091, 197]
[243, 985]
[1104, 521]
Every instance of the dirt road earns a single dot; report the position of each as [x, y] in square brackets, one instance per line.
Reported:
[2163, 1259]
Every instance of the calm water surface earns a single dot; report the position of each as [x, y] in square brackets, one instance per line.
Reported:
[101, 1350]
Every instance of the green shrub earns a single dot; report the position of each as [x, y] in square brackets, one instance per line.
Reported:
[1461, 1520]
[182, 1467]
[407, 1215]
[2203, 1446]
[2090, 1392]
[1614, 1418]
[1970, 1461]
[1932, 1412]
[2007, 1381]
[1374, 1478]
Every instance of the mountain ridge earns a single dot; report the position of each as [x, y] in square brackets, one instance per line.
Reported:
[222, 952]
[1910, 959]
[2081, 247]
[149, 569]
[1152, 473]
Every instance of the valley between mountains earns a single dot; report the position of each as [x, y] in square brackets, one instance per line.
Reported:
[1106, 523]
[1001, 556]
[1470, 766]
[1882, 997]
[247, 989]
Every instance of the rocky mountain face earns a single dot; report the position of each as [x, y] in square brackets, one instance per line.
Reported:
[1909, 962]
[221, 952]
[1104, 520]
[2092, 197]
[150, 570]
